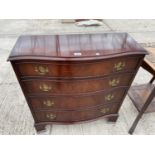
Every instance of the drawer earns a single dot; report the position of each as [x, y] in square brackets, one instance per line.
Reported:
[77, 101]
[78, 69]
[34, 86]
[49, 87]
[73, 116]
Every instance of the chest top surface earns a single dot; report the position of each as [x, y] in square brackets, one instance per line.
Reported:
[74, 46]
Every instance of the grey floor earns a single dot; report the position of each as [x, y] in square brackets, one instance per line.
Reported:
[15, 117]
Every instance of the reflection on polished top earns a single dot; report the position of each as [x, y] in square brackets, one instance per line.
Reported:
[74, 46]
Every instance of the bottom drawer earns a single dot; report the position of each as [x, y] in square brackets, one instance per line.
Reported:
[73, 116]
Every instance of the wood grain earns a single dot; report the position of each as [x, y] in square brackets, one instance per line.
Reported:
[76, 102]
[75, 65]
[74, 46]
[73, 87]
[78, 69]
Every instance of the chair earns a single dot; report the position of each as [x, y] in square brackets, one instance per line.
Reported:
[143, 95]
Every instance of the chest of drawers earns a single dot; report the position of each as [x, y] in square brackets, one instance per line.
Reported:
[75, 77]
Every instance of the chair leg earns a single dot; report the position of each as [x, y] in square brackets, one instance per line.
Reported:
[151, 81]
[145, 106]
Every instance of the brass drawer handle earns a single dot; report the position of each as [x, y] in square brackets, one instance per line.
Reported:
[119, 66]
[105, 110]
[45, 87]
[48, 103]
[51, 116]
[109, 97]
[114, 82]
[41, 70]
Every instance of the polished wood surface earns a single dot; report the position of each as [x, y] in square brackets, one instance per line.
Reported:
[75, 46]
[78, 69]
[34, 86]
[75, 102]
[75, 77]
[76, 115]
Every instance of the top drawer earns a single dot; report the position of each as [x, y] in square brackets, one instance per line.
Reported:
[77, 69]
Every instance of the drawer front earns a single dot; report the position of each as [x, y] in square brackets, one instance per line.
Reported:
[73, 116]
[80, 69]
[77, 102]
[75, 86]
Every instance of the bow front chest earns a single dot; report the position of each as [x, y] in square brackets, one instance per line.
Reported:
[75, 77]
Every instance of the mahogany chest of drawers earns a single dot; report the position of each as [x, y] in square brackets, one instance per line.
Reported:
[75, 77]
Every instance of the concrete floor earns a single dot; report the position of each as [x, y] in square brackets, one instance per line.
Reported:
[15, 117]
